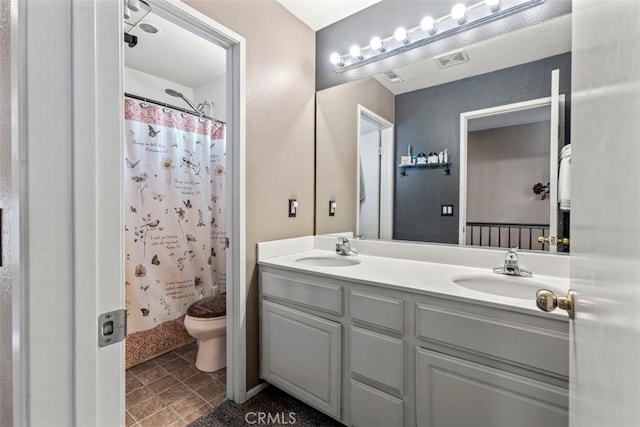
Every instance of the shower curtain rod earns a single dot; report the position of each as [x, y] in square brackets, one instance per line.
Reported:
[184, 110]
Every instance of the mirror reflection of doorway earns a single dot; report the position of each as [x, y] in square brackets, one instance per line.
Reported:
[375, 175]
[511, 196]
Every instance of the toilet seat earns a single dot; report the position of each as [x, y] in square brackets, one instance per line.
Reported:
[209, 307]
[206, 321]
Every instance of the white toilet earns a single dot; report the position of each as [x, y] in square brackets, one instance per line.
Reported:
[206, 321]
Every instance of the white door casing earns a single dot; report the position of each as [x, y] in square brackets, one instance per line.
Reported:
[553, 160]
[387, 145]
[554, 102]
[69, 257]
[204, 26]
[605, 222]
[67, 139]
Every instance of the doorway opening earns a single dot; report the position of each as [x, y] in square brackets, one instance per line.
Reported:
[509, 176]
[183, 237]
[374, 210]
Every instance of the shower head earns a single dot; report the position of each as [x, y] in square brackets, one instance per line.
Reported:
[174, 93]
[179, 95]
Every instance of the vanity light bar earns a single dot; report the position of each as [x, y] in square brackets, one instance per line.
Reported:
[460, 19]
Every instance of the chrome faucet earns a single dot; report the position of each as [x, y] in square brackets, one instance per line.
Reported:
[343, 247]
[511, 266]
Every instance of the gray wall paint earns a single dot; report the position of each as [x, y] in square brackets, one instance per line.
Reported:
[429, 120]
[503, 165]
[383, 18]
[6, 377]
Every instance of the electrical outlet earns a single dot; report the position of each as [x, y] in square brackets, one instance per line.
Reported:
[446, 210]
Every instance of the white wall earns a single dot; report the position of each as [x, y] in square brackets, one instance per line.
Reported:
[370, 163]
[214, 91]
[149, 86]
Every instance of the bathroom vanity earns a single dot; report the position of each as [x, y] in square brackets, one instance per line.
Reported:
[391, 341]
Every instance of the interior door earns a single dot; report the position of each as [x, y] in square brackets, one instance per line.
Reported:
[605, 255]
[369, 188]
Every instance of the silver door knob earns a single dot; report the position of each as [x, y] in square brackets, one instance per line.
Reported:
[546, 300]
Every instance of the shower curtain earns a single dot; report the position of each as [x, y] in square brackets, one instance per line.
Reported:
[174, 222]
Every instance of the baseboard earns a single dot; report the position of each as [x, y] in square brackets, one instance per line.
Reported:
[257, 389]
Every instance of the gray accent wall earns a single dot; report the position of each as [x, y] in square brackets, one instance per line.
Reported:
[383, 18]
[429, 120]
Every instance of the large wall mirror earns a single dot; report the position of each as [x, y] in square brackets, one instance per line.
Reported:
[388, 147]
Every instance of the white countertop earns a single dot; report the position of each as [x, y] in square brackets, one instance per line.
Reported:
[421, 276]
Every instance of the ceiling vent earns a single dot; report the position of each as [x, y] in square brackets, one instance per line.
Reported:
[393, 76]
[450, 59]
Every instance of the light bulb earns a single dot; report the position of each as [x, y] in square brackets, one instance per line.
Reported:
[401, 35]
[354, 51]
[428, 24]
[459, 13]
[494, 5]
[376, 44]
[336, 59]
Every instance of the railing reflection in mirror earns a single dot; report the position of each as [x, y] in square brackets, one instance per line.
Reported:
[507, 235]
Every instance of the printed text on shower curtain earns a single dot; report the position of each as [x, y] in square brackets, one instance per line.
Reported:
[174, 222]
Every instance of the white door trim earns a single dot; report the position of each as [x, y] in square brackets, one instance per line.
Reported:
[553, 160]
[61, 257]
[486, 112]
[236, 194]
[387, 166]
[67, 102]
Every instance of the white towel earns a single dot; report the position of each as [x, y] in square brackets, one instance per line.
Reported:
[564, 179]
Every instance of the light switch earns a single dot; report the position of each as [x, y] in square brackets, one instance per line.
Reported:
[446, 210]
[332, 207]
[293, 208]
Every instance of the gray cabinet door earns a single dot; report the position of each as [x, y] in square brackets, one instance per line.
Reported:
[301, 355]
[452, 391]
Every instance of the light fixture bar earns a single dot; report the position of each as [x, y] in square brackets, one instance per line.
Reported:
[475, 15]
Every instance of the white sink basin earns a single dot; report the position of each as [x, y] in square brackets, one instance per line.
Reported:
[329, 261]
[499, 284]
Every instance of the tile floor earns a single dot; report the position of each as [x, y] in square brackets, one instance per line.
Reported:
[170, 391]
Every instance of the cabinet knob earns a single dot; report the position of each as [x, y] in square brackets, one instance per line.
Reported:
[546, 300]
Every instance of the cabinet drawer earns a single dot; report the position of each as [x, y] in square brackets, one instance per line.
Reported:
[378, 357]
[542, 349]
[322, 296]
[377, 310]
[372, 407]
[452, 391]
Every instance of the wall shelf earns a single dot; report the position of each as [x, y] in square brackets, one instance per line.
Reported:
[445, 166]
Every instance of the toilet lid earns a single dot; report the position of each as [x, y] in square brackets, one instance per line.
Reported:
[209, 307]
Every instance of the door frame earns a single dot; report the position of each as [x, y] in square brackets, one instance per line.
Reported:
[387, 144]
[68, 250]
[493, 111]
[193, 20]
